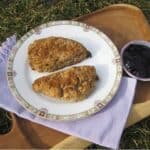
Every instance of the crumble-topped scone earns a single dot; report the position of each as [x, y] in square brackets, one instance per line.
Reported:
[73, 84]
[53, 53]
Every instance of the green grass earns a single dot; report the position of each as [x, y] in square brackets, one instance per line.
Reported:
[5, 122]
[19, 16]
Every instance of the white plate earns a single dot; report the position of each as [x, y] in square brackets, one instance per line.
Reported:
[105, 58]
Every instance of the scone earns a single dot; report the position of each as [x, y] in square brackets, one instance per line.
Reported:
[53, 53]
[73, 84]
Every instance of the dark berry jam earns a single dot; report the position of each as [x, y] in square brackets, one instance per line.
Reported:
[136, 59]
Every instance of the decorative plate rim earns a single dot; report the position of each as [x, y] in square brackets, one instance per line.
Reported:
[43, 113]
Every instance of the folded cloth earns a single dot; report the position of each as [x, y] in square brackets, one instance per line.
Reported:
[103, 128]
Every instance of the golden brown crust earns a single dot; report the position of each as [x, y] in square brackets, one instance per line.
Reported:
[53, 53]
[72, 84]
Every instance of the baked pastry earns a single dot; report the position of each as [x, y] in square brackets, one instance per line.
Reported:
[73, 84]
[53, 53]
